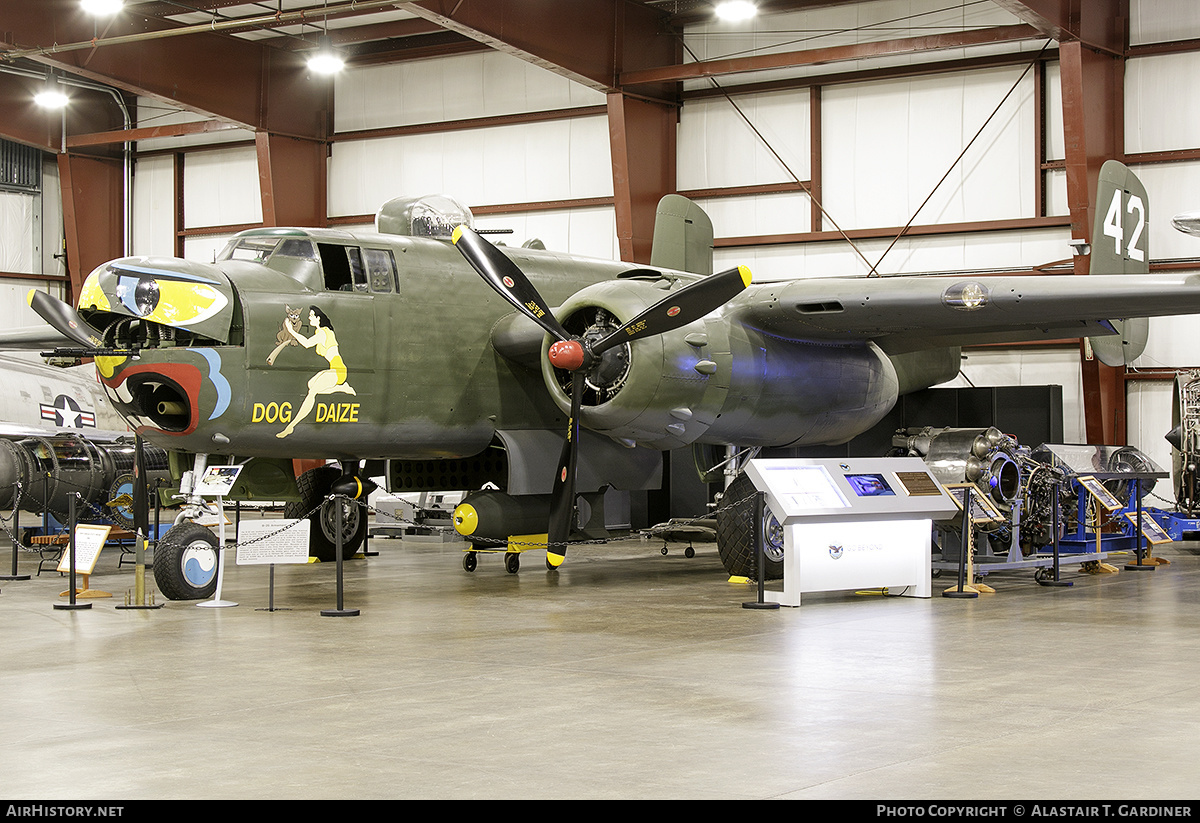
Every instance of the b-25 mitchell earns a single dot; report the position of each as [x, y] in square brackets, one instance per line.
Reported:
[359, 347]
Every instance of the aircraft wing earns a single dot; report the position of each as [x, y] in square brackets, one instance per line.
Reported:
[33, 338]
[913, 312]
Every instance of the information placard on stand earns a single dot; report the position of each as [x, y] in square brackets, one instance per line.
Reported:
[89, 540]
[217, 481]
[267, 542]
[853, 523]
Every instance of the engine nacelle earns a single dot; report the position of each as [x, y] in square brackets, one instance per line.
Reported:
[660, 391]
[714, 381]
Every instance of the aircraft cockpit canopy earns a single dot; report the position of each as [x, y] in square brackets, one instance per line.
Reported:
[258, 248]
[433, 215]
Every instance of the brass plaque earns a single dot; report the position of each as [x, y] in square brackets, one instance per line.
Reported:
[919, 484]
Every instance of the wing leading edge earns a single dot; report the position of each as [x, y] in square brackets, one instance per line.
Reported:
[911, 313]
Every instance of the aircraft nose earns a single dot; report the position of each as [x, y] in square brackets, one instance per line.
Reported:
[167, 291]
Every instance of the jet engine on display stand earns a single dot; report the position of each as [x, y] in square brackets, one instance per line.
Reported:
[1037, 507]
[1185, 453]
[39, 474]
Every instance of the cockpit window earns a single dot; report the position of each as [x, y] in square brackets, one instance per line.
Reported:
[297, 247]
[251, 249]
[259, 249]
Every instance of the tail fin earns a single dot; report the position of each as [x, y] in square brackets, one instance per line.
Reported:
[683, 236]
[1121, 246]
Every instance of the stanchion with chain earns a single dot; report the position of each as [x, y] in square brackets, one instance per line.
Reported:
[1140, 551]
[137, 599]
[15, 535]
[340, 611]
[1054, 580]
[73, 602]
[760, 539]
[962, 590]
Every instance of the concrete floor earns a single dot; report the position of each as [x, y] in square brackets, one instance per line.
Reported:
[625, 675]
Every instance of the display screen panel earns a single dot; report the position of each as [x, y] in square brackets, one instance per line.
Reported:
[869, 485]
[805, 488]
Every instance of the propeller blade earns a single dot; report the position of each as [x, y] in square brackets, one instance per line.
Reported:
[684, 306]
[507, 279]
[65, 320]
[562, 501]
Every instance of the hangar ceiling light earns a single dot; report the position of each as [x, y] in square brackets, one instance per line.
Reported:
[51, 95]
[102, 8]
[734, 11]
[326, 60]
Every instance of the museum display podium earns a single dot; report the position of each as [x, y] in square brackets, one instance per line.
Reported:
[851, 523]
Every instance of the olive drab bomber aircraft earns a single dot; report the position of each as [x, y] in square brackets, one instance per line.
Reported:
[384, 353]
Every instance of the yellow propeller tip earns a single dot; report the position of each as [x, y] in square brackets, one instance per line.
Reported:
[745, 272]
[555, 560]
[457, 234]
[29, 297]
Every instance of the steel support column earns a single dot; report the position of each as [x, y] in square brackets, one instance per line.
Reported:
[93, 208]
[1093, 125]
[642, 140]
[292, 180]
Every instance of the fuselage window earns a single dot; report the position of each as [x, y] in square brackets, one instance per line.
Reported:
[381, 269]
[343, 268]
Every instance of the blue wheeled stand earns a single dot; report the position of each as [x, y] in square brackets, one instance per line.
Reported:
[1108, 483]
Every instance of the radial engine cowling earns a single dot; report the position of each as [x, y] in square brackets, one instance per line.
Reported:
[717, 381]
[657, 391]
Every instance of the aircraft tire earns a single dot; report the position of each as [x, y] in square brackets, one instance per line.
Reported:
[314, 486]
[186, 562]
[735, 533]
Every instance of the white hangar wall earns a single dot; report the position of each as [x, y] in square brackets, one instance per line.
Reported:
[884, 144]
[497, 165]
[31, 234]
[494, 166]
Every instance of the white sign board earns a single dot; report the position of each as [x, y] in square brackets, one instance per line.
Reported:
[264, 542]
[89, 540]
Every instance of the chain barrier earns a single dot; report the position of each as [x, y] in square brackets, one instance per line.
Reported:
[650, 531]
[94, 513]
[4, 521]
